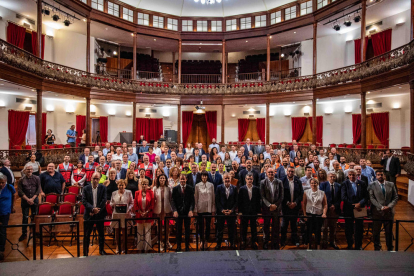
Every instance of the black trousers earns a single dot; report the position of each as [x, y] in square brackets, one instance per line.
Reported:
[314, 226]
[275, 227]
[4, 220]
[187, 222]
[376, 230]
[292, 220]
[25, 211]
[354, 229]
[231, 223]
[253, 227]
[206, 223]
[88, 230]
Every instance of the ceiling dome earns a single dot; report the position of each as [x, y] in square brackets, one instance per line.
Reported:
[193, 8]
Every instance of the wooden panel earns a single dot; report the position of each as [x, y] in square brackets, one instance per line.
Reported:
[371, 138]
[199, 131]
[307, 135]
[252, 131]
[113, 62]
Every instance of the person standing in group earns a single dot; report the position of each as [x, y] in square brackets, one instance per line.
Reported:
[162, 208]
[391, 166]
[7, 192]
[71, 134]
[50, 137]
[144, 206]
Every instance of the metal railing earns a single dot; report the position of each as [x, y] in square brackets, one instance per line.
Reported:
[201, 78]
[15, 246]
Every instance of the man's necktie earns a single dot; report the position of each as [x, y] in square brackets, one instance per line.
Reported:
[383, 189]
[333, 192]
[183, 189]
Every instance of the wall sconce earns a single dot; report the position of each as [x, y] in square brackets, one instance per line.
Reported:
[328, 111]
[50, 108]
[396, 106]
[111, 112]
[233, 115]
[348, 109]
[28, 107]
[128, 114]
[400, 23]
[287, 113]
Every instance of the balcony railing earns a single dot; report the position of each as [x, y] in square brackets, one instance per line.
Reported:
[24, 60]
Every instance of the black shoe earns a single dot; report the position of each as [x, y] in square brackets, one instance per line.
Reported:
[254, 246]
[275, 246]
[178, 249]
[23, 237]
[334, 245]
[243, 245]
[187, 249]
[266, 246]
[282, 243]
[102, 252]
[217, 247]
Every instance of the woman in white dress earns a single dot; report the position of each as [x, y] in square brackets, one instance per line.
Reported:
[188, 151]
[119, 199]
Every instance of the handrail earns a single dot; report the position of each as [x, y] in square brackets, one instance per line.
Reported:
[395, 58]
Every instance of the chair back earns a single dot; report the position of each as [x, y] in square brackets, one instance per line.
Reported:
[45, 209]
[65, 208]
[52, 198]
[28, 147]
[73, 190]
[70, 197]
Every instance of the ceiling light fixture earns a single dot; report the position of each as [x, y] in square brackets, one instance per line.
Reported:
[348, 22]
[357, 17]
[336, 26]
[208, 2]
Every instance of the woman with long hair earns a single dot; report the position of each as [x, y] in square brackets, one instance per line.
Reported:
[141, 177]
[213, 154]
[219, 161]
[227, 161]
[174, 178]
[322, 175]
[131, 182]
[256, 163]
[180, 152]
[261, 160]
[188, 151]
[295, 161]
[144, 205]
[162, 208]
[243, 160]
[111, 185]
[158, 171]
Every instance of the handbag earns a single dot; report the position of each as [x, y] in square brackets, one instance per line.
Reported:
[121, 208]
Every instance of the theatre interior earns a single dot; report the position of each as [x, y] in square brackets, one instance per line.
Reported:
[206, 136]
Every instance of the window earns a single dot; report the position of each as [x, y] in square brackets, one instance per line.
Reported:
[172, 24]
[128, 14]
[187, 25]
[260, 21]
[322, 3]
[202, 26]
[276, 17]
[231, 25]
[98, 5]
[245, 23]
[306, 8]
[216, 26]
[143, 19]
[158, 21]
[113, 9]
[290, 13]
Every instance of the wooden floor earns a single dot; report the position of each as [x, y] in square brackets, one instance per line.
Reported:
[62, 247]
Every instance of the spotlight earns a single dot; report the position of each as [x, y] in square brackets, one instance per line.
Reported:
[46, 12]
[348, 22]
[55, 17]
[67, 22]
[297, 52]
[336, 27]
[357, 17]
[282, 55]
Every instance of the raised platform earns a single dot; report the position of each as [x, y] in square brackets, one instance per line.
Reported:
[270, 262]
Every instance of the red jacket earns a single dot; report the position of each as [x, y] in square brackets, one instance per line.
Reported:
[105, 168]
[148, 171]
[66, 173]
[78, 176]
[149, 205]
[90, 170]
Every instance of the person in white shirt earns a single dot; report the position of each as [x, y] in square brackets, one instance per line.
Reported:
[233, 153]
[188, 151]
[118, 155]
[268, 153]
[214, 144]
[156, 149]
[222, 153]
[322, 156]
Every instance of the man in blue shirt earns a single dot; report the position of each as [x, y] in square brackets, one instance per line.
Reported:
[6, 208]
[367, 171]
[214, 145]
[71, 134]
[106, 149]
[52, 181]
[143, 149]
[132, 156]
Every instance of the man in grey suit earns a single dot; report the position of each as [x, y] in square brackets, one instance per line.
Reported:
[259, 148]
[384, 197]
[271, 190]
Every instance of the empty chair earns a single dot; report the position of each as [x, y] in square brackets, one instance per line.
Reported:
[70, 197]
[52, 198]
[28, 147]
[370, 147]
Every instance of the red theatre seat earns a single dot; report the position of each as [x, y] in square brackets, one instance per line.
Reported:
[370, 147]
[358, 147]
[28, 147]
[52, 147]
[70, 197]
[341, 146]
[332, 145]
[73, 190]
[350, 146]
[52, 198]
[381, 147]
[17, 147]
[59, 146]
[67, 146]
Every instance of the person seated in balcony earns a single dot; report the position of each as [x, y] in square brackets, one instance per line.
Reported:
[84, 156]
[33, 151]
[50, 137]
[52, 181]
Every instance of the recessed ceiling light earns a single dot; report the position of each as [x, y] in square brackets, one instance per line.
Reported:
[294, 32]
[399, 87]
[132, 34]
[155, 39]
[84, 20]
[247, 41]
[368, 92]
[270, 36]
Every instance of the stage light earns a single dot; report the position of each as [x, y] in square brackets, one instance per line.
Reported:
[357, 17]
[336, 26]
[55, 17]
[46, 12]
[348, 22]
[67, 22]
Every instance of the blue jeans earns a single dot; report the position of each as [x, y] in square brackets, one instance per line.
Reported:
[4, 220]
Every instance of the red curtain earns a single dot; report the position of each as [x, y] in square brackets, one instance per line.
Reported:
[156, 128]
[103, 129]
[211, 120]
[298, 127]
[34, 44]
[18, 123]
[16, 34]
[44, 121]
[142, 128]
[187, 123]
[356, 128]
[319, 128]
[357, 42]
[80, 125]
[381, 42]
[381, 125]
[261, 128]
[243, 127]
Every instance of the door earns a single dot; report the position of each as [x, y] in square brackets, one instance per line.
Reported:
[31, 131]
[252, 131]
[96, 138]
[199, 131]
[371, 138]
[307, 135]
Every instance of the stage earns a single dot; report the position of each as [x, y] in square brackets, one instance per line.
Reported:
[343, 262]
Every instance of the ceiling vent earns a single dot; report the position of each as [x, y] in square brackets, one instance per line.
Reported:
[142, 110]
[20, 100]
[251, 112]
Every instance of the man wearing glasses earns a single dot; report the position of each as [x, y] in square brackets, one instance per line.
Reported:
[94, 200]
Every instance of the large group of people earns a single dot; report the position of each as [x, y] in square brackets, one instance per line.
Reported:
[158, 181]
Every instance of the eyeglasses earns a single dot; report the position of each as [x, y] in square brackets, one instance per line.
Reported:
[96, 178]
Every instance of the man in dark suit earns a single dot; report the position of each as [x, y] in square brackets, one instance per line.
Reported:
[392, 167]
[5, 169]
[332, 191]
[281, 171]
[292, 198]
[360, 176]
[271, 190]
[226, 203]
[94, 200]
[383, 195]
[249, 169]
[249, 202]
[354, 194]
[247, 147]
[336, 156]
[194, 177]
[201, 151]
[236, 168]
[259, 148]
[182, 204]
[214, 177]
[84, 156]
